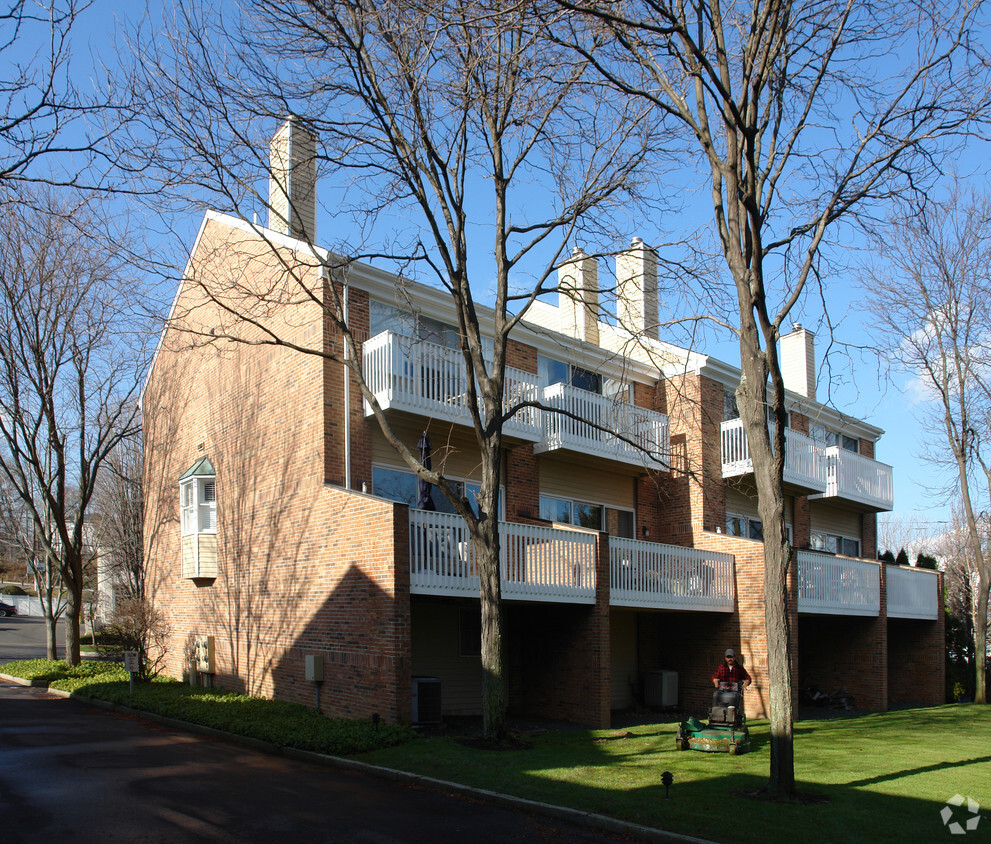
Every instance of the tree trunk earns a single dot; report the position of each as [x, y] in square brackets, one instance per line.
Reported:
[777, 556]
[981, 643]
[493, 676]
[768, 463]
[73, 611]
[51, 631]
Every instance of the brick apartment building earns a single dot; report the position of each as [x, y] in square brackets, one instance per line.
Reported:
[281, 525]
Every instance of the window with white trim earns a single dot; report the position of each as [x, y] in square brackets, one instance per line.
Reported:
[198, 499]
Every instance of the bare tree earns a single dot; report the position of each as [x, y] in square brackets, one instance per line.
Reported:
[801, 116]
[119, 536]
[933, 300]
[443, 113]
[44, 114]
[26, 539]
[69, 369]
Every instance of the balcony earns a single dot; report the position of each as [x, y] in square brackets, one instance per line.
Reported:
[600, 426]
[838, 585]
[536, 563]
[861, 480]
[912, 593]
[429, 380]
[805, 459]
[650, 574]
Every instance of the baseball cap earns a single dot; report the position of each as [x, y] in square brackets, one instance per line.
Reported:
[730, 652]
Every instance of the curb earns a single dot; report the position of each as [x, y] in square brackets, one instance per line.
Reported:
[589, 820]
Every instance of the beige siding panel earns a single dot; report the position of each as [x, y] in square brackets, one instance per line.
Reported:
[586, 484]
[208, 555]
[436, 654]
[831, 519]
[189, 556]
[623, 650]
[453, 452]
[741, 504]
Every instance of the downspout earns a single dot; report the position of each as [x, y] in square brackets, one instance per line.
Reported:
[347, 394]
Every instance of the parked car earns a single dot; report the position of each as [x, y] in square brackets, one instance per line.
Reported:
[7, 609]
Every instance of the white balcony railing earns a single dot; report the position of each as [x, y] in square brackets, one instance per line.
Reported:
[838, 585]
[853, 477]
[912, 592]
[536, 563]
[429, 380]
[651, 574]
[594, 424]
[805, 459]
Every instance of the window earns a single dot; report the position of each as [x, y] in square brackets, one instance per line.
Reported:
[588, 515]
[400, 485]
[822, 435]
[198, 498]
[833, 543]
[551, 371]
[850, 443]
[745, 526]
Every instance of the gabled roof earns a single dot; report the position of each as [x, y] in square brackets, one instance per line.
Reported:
[201, 468]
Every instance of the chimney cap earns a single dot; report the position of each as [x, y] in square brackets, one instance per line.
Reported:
[636, 241]
[796, 326]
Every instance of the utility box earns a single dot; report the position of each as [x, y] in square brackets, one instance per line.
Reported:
[426, 700]
[660, 689]
[314, 668]
[205, 654]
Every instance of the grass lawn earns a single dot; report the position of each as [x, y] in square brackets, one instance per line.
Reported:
[881, 777]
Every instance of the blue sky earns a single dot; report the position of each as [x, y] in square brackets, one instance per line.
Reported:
[858, 385]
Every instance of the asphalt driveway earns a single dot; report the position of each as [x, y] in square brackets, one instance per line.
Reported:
[71, 772]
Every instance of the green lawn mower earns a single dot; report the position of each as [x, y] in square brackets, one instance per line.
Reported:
[727, 729]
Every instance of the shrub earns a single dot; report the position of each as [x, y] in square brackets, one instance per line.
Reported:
[12, 590]
[136, 625]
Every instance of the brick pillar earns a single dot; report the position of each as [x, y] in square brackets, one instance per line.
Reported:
[597, 637]
[522, 484]
[881, 643]
[402, 630]
[868, 536]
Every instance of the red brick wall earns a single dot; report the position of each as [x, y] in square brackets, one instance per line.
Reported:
[303, 568]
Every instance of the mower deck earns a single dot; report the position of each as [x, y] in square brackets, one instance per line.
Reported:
[712, 740]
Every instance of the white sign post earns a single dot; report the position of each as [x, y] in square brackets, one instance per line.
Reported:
[132, 664]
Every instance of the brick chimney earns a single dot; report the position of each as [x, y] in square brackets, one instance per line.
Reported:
[578, 299]
[292, 184]
[636, 290]
[798, 361]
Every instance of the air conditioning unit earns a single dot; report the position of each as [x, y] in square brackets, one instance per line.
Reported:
[426, 700]
[660, 688]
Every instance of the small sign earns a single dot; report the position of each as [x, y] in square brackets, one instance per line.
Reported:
[132, 662]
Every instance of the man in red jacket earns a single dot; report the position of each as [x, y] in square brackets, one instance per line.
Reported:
[730, 670]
